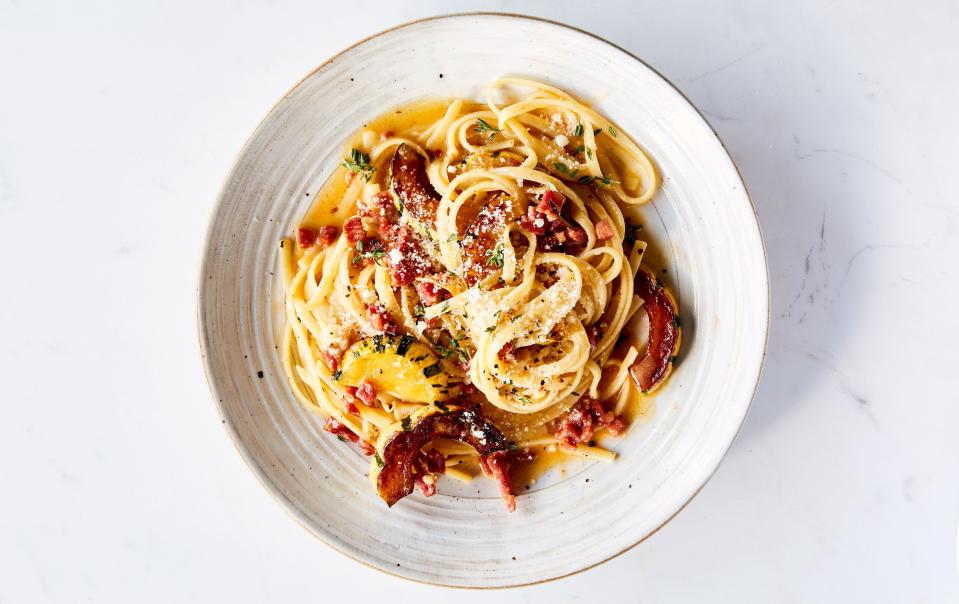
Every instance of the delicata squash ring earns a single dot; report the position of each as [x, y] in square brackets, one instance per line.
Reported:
[652, 369]
[413, 189]
[391, 469]
[397, 365]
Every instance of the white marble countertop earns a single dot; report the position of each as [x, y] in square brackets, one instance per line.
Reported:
[118, 123]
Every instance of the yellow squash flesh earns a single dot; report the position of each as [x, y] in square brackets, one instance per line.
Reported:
[397, 365]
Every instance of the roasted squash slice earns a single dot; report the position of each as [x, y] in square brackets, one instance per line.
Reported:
[651, 370]
[396, 449]
[412, 187]
[397, 365]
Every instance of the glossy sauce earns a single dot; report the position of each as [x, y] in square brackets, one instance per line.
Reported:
[408, 121]
[327, 209]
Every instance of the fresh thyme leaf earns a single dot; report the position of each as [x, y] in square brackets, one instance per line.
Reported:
[524, 399]
[515, 318]
[419, 311]
[561, 167]
[608, 181]
[359, 163]
[483, 126]
[574, 393]
[494, 257]
[457, 349]
[490, 329]
[406, 423]
[445, 308]
[578, 131]
[579, 149]
[454, 349]
[586, 180]
[379, 460]
[612, 131]
[432, 370]
[375, 253]
[574, 173]
[589, 153]
[336, 375]
[451, 238]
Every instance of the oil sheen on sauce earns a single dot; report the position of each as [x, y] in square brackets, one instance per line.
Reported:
[407, 120]
[410, 121]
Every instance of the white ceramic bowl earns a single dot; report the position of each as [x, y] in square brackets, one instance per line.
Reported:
[568, 522]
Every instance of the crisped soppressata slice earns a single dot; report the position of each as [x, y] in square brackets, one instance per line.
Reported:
[652, 369]
[392, 468]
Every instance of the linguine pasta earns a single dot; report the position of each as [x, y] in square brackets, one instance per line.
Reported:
[484, 263]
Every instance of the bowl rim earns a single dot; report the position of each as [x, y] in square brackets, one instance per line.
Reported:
[203, 334]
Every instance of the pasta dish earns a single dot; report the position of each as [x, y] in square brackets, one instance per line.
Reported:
[456, 299]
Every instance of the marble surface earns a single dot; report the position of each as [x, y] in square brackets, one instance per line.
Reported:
[118, 123]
